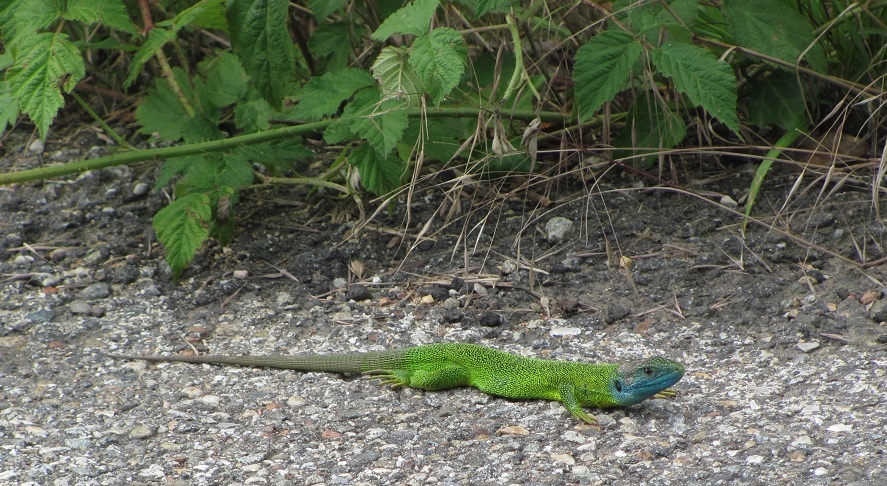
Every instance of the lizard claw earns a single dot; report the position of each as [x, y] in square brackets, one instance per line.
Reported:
[666, 394]
[386, 377]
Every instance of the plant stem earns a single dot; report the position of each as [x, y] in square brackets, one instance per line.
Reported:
[129, 157]
[111, 133]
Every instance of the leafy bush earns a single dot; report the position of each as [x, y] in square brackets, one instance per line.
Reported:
[400, 84]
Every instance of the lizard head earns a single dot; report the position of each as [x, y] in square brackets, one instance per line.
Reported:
[636, 381]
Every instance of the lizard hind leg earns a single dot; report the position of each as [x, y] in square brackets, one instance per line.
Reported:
[441, 378]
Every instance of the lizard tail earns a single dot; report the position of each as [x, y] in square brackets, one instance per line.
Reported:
[333, 363]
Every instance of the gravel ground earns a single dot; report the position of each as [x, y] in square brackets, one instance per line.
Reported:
[785, 346]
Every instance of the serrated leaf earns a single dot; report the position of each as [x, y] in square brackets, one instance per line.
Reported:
[364, 102]
[649, 128]
[45, 65]
[322, 95]
[440, 137]
[209, 173]
[162, 112]
[253, 115]
[707, 81]
[685, 12]
[109, 12]
[8, 108]
[21, 19]
[776, 100]
[396, 76]
[205, 14]
[413, 19]
[379, 175]
[260, 38]
[383, 128]
[774, 28]
[439, 59]
[333, 43]
[482, 7]
[226, 82]
[278, 156]
[324, 8]
[182, 227]
[381, 122]
[602, 68]
[175, 166]
[236, 171]
[155, 40]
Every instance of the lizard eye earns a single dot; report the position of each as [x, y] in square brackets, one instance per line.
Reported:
[618, 385]
[648, 371]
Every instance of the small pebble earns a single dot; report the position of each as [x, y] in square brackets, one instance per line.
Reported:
[141, 189]
[95, 291]
[507, 267]
[563, 459]
[490, 319]
[729, 202]
[807, 347]
[558, 229]
[357, 293]
[142, 432]
[480, 290]
[566, 331]
[36, 146]
[79, 307]
[840, 428]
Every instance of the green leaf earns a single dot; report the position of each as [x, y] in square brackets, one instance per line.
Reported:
[776, 100]
[45, 65]
[382, 123]
[707, 81]
[334, 42]
[383, 128]
[365, 103]
[602, 69]
[774, 28]
[322, 95]
[205, 14]
[182, 227]
[109, 12]
[397, 77]
[162, 112]
[155, 40]
[279, 156]
[438, 138]
[254, 114]
[649, 128]
[262, 42]
[324, 8]
[236, 171]
[482, 7]
[226, 81]
[439, 59]
[379, 175]
[174, 166]
[684, 12]
[208, 173]
[414, 19]
[8, 108]
[21, 19]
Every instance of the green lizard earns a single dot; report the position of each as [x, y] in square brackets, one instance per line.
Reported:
[448, 365]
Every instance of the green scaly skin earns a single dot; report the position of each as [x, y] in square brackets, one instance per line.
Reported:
[449, 365]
